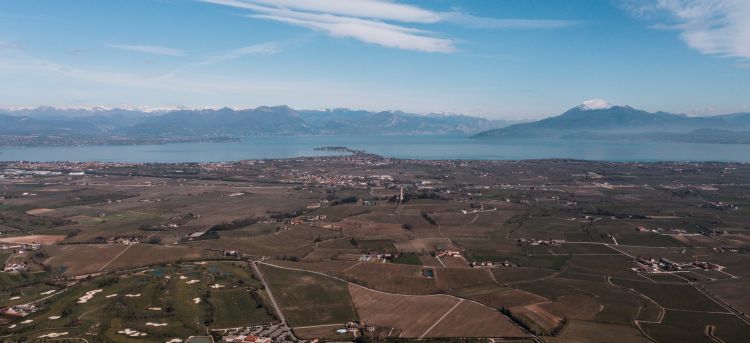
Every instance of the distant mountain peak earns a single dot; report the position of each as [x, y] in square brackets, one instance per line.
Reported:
[595, 104]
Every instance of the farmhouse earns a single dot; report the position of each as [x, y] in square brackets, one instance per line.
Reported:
[246, 339]
[15, 267]
[449, 253]
[20, 311]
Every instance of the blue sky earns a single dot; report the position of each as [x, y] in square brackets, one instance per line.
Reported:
[499, 59]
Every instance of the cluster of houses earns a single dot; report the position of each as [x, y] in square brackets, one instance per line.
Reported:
[245, 339]
[307, 219]
[712, 232]
[317, 204]
[355, 328]
[676, 231]
[376, 257]
[535, 242]
[448, 253]
[720, 205]
[19, 311]
[490, 264]
[124, 240]
[279, 333]
[672, 231]
[20, 248]
[734, 250]
[665, 265]
[15, 267]
[481, 209]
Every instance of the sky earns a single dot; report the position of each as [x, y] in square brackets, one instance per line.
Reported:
[511, 59]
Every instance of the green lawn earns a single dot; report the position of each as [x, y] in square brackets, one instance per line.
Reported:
[408, 258]
[236, 307]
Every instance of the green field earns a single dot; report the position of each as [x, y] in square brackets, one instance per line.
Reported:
[408, 258]
[309, 299]
[682, 297]
[236, 307]
[679, 326]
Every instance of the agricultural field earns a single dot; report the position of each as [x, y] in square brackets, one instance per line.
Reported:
[419, 316]
[298, 249]
[308, 299]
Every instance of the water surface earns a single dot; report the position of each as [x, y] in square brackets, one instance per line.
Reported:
[412, 146]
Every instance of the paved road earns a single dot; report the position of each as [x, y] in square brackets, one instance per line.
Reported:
[270, 294]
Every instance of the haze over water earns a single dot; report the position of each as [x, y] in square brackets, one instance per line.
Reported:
[407, 147]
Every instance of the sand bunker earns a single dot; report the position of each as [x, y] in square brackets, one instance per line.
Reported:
[156, 324]
[197, 300]
[86, 297]
[131, 333]
[53, 335]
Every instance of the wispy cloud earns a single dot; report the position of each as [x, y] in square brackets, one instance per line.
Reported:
[380, 22]
[716, 27]
[36, 66]
[149, 49]
[368, 31]
[263, 49]
[374, 9]
[471, 21]
[269, 48]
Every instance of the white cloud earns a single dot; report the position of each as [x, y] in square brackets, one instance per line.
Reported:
[368, 31]
[149, 49]
[357, 19]
[471, 21]
[31, 66]
[374, 9]
[269, 48]
[373, 21]
[264, 49]
[716, 27]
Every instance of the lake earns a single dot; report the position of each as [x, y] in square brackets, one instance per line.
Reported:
[412, 146]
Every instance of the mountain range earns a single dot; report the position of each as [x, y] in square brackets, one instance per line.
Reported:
[49, 125]
[594, 120]
[624, 123]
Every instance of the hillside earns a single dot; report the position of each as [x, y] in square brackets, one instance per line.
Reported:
[627, 123]
[48, 125]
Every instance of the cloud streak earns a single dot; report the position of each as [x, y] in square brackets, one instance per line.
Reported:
[35, 66]
[373, 9]
[368, 31]
[475, 22]
[263, 49]
[380, 22]
[714, 27]
[149, 49]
